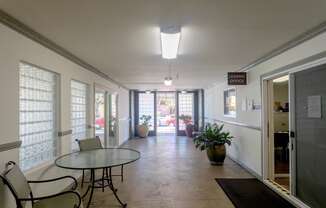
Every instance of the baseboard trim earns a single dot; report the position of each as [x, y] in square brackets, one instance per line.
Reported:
[123, 143]
[251, 171]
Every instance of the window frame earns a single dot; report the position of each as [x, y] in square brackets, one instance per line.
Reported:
[225, 113]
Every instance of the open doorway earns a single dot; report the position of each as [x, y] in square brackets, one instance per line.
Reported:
[278, 140]
[166, 113]
[305, 151]
[281, 131]
[100, 115]
[106, 125]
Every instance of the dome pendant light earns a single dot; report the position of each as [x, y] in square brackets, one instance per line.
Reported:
[168, 79]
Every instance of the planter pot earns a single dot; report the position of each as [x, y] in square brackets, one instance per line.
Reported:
[189, 130]
[216, 155]
[142, 131]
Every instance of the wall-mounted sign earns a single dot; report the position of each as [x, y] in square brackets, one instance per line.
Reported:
[314, 106]
[237, 78]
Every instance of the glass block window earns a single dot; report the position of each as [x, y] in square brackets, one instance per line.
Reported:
[37, 115]
[186, 109]
[230, 103]
[146, 107]
[78, 112]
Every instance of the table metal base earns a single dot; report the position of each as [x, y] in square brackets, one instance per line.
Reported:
[105, 181]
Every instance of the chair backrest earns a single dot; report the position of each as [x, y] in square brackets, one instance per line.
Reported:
[90, 144]
[14, 178]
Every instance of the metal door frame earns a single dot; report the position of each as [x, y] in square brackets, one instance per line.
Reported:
[154, 132]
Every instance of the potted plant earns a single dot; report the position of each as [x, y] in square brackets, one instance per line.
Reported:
[213, 140]
[188, 123]
[143, 128]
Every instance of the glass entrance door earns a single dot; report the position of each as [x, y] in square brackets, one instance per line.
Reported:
[169, 112]
[166, 113]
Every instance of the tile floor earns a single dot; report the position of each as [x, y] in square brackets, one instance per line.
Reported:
[170, 174]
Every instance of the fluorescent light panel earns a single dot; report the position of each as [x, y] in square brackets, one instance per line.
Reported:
[281, 79]
[170, 43]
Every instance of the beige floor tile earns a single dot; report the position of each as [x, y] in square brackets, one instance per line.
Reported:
[170, 174]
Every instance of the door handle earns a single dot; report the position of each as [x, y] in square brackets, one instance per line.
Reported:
[292, 134]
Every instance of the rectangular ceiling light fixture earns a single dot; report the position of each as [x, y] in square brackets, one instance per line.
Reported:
[170, 39]
[281, 79]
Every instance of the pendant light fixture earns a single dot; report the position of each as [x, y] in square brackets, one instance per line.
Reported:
[168, 79]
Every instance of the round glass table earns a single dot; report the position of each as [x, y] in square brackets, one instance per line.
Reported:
[105, 159]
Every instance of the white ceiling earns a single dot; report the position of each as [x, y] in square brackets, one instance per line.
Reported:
[121, 37]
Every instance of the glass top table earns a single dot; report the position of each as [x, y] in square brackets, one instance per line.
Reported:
[105, 159]
[98, 158]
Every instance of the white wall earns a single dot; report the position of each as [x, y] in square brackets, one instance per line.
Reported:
[246, 147]
[15, 48]
[123, 116]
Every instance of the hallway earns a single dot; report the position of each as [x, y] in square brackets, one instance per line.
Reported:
[142, 75]
[171, 173]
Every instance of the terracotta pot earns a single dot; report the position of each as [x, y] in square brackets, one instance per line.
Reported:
[189, 129]
[142, 131]
[216, 155]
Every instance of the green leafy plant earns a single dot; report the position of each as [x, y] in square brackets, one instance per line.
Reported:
[212, 136]
[144, 119]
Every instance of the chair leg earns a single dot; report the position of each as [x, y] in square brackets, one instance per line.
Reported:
[82, 182]
[121, 173]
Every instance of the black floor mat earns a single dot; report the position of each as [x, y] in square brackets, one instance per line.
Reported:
[251, 193]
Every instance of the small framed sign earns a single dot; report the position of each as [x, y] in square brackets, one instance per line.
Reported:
[237, 78]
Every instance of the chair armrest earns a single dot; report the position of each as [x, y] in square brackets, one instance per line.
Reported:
[54, 196]
[56, 179]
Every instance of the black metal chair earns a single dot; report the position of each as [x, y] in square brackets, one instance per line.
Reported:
[91, 144]
[20, 187]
